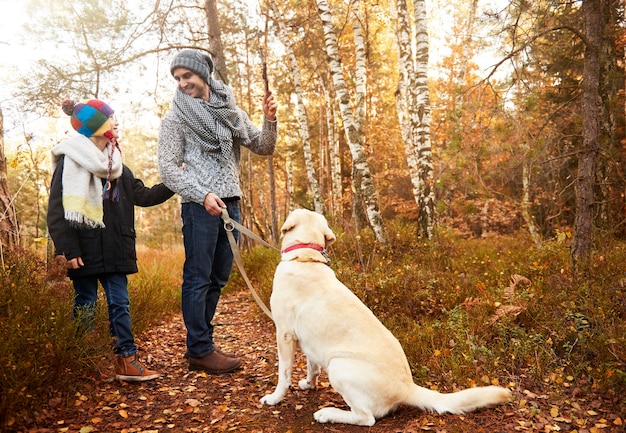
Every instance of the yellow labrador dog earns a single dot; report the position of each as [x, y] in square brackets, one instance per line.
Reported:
[337, 332]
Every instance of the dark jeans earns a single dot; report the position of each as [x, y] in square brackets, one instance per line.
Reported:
[208, 263]
[116, 290]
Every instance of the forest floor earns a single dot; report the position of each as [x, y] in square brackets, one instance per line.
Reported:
[184, 401]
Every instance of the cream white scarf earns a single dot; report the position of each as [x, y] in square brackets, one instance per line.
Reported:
[83, 170]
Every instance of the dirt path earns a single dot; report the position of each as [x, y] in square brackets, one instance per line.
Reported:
[184, 401]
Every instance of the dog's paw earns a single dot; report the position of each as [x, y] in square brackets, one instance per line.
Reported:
[305, 384]
[322, 416]
[339, 416]
[271, 399]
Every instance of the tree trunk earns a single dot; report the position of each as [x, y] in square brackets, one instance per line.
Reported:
[525, 205]
[413, 104]
[215, 40]
[9, 228]
[273, 206]
[318, 203]
[580, 249]
[359, 213]
[405, 66]
[610, 91]
[334, 154]
[420, 123]
[360, 73]
[354, 138]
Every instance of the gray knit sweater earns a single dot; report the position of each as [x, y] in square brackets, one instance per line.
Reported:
[193, 172]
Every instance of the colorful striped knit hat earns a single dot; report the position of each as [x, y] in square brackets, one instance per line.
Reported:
[89, 118]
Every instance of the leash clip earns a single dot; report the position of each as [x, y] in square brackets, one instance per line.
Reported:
[229, 225]
[326, 256]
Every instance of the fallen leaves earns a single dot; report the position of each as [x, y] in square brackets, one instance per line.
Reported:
[190, 402]
[567, 416]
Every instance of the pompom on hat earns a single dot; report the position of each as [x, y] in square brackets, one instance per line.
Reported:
[194, 60]
[90, 117]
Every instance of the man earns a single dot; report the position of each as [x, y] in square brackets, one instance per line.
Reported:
[199, 151]
[91, 218]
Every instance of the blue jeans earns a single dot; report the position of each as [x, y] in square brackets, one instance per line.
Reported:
[208, 263]
[116, 290]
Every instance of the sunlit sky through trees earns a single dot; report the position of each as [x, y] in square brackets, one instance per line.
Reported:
[18, 54]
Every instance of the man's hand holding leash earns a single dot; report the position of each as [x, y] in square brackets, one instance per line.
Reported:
[213, 204]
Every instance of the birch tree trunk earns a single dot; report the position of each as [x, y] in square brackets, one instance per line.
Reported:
[333, 148]
[407, 72]
[580, 248]
[360, 72]
[318, 203]
[420, 122]
[9, 228]
[414, 110]
[352, 130]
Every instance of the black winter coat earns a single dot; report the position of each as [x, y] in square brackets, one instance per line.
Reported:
[109, 249]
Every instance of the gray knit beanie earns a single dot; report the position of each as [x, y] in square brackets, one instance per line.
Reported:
[196, 61]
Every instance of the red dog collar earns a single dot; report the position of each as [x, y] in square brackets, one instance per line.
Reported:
[298, 246]
[312, 246]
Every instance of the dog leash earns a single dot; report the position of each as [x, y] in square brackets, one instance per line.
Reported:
[229, 226]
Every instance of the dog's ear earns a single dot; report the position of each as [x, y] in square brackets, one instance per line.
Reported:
[287, 225]
[329, 236]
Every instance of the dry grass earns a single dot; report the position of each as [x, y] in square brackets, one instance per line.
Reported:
[466, 311]
[471, 311]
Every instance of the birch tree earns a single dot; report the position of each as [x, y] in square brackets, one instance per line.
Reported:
[353, 130]
[414, 109]
[333, 146]
[405, 66]
[302, 119]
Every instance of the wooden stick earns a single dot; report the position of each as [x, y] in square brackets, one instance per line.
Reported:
[264, 71]
[262, 52]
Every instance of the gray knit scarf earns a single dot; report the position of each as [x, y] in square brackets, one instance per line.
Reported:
[212, 125]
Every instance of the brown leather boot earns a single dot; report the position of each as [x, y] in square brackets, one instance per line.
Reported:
[132, 370]
[218, 350]
[215, 363]
[229, 354]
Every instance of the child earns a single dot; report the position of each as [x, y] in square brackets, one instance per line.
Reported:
[91, 219]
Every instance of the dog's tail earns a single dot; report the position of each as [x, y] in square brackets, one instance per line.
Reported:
[459, 402]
